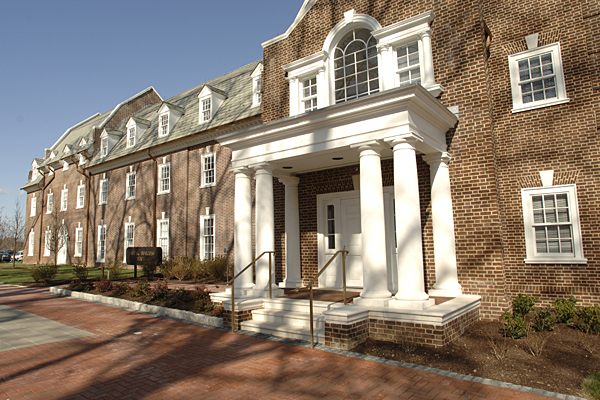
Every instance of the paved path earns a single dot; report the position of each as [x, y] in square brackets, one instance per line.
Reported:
[135, 356]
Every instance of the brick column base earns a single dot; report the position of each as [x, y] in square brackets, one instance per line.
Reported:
[346, 336]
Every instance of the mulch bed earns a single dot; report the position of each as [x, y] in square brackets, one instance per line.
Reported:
[561, 367]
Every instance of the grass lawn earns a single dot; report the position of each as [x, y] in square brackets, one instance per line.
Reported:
[21, 274]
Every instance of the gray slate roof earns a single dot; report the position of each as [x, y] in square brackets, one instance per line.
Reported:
[236, 85]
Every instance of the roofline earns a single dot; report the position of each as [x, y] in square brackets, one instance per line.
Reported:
[303, 11]
[64, 135]
[114, 111]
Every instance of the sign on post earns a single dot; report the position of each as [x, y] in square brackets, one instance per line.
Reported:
[151, 256]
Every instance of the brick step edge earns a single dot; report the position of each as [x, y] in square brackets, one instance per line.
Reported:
[145, 308]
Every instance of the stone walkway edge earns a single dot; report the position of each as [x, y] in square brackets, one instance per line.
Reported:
[217, 323]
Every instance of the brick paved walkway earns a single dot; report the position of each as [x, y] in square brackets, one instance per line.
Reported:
[134, 356]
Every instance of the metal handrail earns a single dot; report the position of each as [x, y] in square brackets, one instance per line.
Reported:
[232, 281]
[312, 282]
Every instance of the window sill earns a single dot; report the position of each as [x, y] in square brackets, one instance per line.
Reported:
[130, 198]
[78, 207]
[209, 185]
[159, 193]
[534, 105]
[551, 260]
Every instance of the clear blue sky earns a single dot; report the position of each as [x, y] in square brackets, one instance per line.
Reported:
[63, 61]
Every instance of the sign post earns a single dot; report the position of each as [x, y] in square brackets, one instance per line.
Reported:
[151, 256]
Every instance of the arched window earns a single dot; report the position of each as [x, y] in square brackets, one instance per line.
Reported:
[355, 66]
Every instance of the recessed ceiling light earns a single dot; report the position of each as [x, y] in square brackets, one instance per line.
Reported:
[287, 167]
[337, 158]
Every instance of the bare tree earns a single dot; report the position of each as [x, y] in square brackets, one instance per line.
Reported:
[56, 234]
[16, 228]
[3, 227]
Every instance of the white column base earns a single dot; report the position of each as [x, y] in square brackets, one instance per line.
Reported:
[290, 284]
[445, 292]
[360, 301]
[412, 304]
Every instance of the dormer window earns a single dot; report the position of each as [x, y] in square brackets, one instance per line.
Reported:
[206, 110]
[164, 125]
[82, 142]
[257, 85]
[108, 140]
[210, 99]
[104, 146]
[131, 137]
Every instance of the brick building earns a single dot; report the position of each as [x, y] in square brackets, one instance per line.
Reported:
[448, 147]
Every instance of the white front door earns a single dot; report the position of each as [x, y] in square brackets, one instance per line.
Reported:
[351, 240]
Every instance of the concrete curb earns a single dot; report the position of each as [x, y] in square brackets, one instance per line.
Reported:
[141, 307]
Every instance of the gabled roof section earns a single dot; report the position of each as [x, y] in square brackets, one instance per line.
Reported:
[207, 89]
[303, 11]
[236, 86]
[170, 106]
[140, 121]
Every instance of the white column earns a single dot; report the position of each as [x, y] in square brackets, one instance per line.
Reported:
[372, 220]
[411, 280]
[386, 66]
[427, 58]
[293, 82]
[265, 225]
[446, 275]
[293, 278]
[242, 232]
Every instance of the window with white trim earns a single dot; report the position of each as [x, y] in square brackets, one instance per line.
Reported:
[129, 235]
[34, 206]
[104, 146]
[256, 91]
[50, 203]
[103, 191]
[208, 170]
[164, 178]
[355, 66]
[131, 137]
[64, 199]
[31, 242]
[309, 94]
[537, 78]
[207, 238]
[551, 221]
[78, 242]
[101, 254]
[330, 226]
[206, 110]
[164, 125]
[408, 63]
[47, 244]
[80, 196]
[130, 188]
[163, 236]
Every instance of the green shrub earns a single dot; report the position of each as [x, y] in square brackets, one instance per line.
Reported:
[180, 296]
[142, 288]
[160, 291]
[80, 272]
[203, 302]
[523, 304]
[565, 310]
[587, 319]
[79, 286]
[103, 285]
[43, 273]
[149, 270]
[114, 269]
[166, 268]
[216, 268]
[515, 325]
[591, 384]
[543, 320]
[121, 288]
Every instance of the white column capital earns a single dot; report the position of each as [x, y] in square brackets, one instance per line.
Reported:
[425, 34]
[383, 47]
[443, 159]
[241, 171]
[289, 180]
[371, 147]
[262, 168]
[404, 141]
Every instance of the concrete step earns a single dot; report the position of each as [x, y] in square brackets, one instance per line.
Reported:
[286, 331]
[295, 305]
[283, 317]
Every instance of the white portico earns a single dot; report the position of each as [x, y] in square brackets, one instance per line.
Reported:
[397, 124]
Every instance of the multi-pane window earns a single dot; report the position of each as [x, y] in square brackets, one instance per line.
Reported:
[50, 203]
[31, 242]
[164, 125]
[206, 110]
[208, 169]
[130, 189]
[47, 242]
[129, 235]
[330, 227]
[208, 236]
[164, 178]
[552, 229]
[101, 243]
[355, 66]
[103, 191]
[163, 237]
[131, 137]
[409, 69]
[552, 223]
[64, 199]
[78, 242]
[104, 146]
[257, 98]
[34, 206]
[80, 196]
[536, 78]
[309, 94]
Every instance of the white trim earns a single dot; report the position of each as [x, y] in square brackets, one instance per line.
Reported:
[161, 169]
[129, 196]
[203, 220]
[203, 170]
[125, 240]
[50, 204]
[80, 190]
[78, 252]
[101, 252]
[103, 183]
[528, 224]
[561, 93]
[47, 242]
[167, 237]
[33, 206]
[64, 200]
[31, 243]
